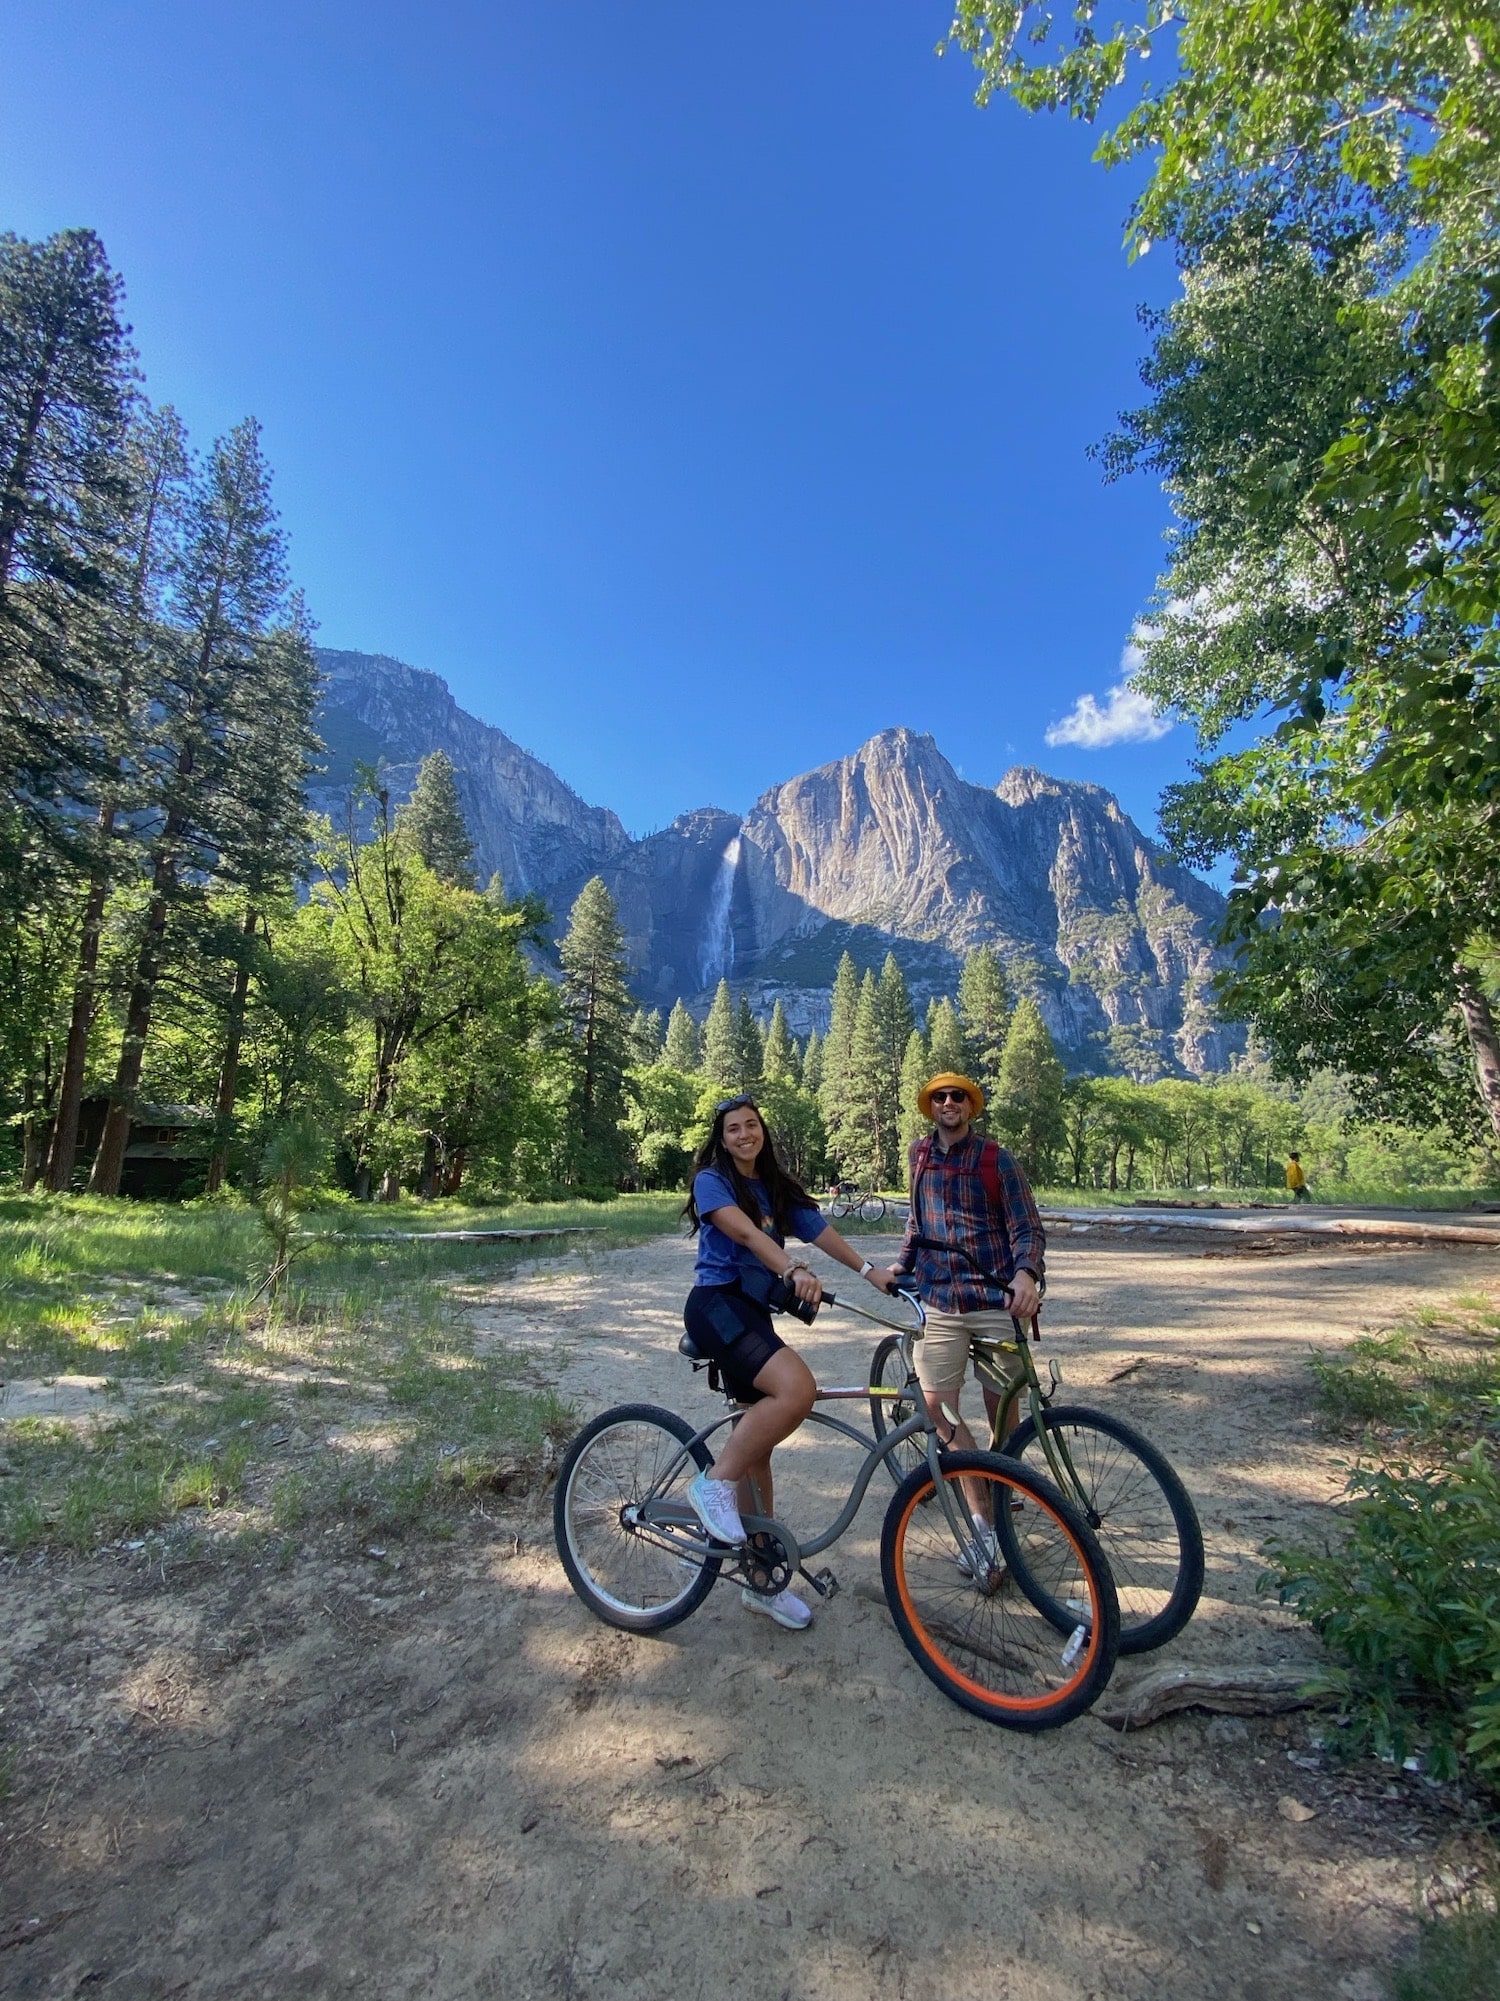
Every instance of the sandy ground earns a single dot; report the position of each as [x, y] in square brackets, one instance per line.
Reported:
[432, 1773]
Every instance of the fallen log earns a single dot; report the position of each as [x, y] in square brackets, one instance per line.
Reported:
[1247, 1691]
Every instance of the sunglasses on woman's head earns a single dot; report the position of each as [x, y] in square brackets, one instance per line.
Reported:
[944, 1097]
[733, 1105]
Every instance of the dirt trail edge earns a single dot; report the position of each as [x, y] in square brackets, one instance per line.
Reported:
[431, 1773]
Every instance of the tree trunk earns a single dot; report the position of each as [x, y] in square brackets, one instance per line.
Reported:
[1479, 1019]
[427, 1181]
[229, 1068]
[32, 1128]
[63, 1152]
[453, 1171]
[110, 1159]
[390, 1186]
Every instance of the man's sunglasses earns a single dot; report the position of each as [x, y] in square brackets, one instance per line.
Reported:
[944, 1097]
[733, 1105]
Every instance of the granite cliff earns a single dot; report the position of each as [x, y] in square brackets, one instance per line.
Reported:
[887, 849]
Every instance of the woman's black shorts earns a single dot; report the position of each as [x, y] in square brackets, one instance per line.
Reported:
[734, 1331]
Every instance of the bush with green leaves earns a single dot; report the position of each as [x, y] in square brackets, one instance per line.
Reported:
[1408, 1604]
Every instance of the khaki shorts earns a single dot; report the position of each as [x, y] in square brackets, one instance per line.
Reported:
[943, 1351]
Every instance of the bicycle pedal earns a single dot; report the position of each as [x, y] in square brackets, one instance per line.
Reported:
[823, 1582]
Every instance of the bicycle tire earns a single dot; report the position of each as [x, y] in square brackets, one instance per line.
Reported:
[989, 1648]
[888, 1371]
[871, 1208]
[624, 1578]
[839, 1208]
[1142, 1514]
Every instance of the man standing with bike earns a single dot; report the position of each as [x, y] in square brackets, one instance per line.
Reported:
[967, 1193]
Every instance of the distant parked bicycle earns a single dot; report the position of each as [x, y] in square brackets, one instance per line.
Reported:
[849, 1199]
[1120, 1483]
[986, 1634]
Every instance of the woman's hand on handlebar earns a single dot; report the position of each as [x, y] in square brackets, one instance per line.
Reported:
[806, 1284]
[883, 1278]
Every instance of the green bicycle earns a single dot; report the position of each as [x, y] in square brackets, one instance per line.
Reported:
[1121, 1484]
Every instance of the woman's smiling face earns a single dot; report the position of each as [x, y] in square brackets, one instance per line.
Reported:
[744, 1135]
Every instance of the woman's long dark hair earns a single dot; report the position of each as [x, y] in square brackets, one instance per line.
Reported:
[783, 1190]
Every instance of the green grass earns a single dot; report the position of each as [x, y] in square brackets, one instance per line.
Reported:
[1420, 1394]
[371, 1335]
[1458, 1955]
[1325, 1195]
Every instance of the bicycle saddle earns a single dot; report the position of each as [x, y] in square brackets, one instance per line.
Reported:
[689, 1349]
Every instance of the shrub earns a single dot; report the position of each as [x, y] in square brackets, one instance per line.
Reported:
[1408, 1604]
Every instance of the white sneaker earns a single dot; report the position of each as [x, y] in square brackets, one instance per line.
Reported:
[713, 1502]
[786, 1608]
[990, 1549]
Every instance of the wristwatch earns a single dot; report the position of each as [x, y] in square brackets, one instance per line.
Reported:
[866, 1268]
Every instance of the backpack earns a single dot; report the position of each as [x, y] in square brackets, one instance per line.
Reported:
[989, 1169]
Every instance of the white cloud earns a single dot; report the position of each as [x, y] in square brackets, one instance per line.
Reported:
[1124, 716]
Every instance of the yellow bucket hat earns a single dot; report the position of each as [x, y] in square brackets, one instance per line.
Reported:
[951, 1081]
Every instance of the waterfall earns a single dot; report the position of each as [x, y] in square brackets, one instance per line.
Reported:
[716, 947]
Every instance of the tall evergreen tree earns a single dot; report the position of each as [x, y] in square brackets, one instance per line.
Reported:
[433, 821]
[864, 1136]
[984, 1011]
[750, 1047]
[231, 584]
[780, 1055]
[1028, 1102]
[834, 1093]
[684, 1049]
[66, 387]
[721, 1041]
[263, 826]
[646, 1037]
[130, 650]
[947, 1045]
[598, 1007]
[812, 1065]
[916, 1067]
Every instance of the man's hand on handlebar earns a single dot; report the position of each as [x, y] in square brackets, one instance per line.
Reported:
[1025, 1299]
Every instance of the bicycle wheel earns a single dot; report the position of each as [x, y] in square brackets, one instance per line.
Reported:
[871, 1208]
[1139, 1509]
[839, 1208]
[624, 1574]
[888, 1372]
[986, 1644]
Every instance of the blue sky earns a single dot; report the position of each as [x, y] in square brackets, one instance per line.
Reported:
[697, 389]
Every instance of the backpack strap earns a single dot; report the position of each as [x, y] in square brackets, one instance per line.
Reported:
[989, 1174]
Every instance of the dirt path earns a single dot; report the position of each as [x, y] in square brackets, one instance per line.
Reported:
[433, 1774]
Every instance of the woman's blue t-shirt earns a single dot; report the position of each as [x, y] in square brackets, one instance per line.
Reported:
[720, 1259]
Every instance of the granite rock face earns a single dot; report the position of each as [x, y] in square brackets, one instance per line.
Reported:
[522, 818]
[888, 849]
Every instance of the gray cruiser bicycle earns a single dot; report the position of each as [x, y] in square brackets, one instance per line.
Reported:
[984, 1630]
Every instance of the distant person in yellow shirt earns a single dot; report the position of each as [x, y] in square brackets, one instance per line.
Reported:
[1296, 1180]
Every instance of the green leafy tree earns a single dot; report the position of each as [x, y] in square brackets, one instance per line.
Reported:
[873, 1124]
[947, 1045]
[812, 1065]
[1324, 416]
[984, 1013]
[916, 1067]
[598, 1007]
[663, 1109]
[749, 1047]
[433, 821]
[1028, 1101]
[795, 1122]
[836, 1092]
[684, 1047]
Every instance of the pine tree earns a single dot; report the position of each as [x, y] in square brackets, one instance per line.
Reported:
[750, 1047]
[231, 584]
[984, 1010]
[1028, 1101]
[128, 650]
[684, 1044]
[894, 1023]
[780, 1056]
[597, 1006]
[432, 820]
[646, 1037]
[947, 1045]
[66, 389]
[721, 1042]
[864, 1135]
[917, 1066]
[812, 1064]
[833, 1082]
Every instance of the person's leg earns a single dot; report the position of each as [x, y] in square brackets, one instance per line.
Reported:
[787, 1392]
[757, 1490]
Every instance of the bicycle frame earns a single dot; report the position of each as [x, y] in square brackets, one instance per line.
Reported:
[668, 1518]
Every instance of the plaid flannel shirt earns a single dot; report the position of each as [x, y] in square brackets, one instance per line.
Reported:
[951, 1204]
